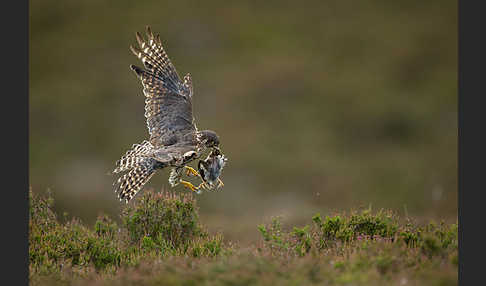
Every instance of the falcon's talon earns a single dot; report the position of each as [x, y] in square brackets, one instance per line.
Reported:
[191, 171]
[190, 186]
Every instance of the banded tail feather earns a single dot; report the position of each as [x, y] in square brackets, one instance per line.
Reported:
[134, 157]
[128, 185]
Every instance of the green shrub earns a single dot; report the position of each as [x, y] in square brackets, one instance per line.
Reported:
[302, 244]
[410, 234]
[105, 227]
[430, 245]
[210, 247]
[273, 236]
[103, 252]
[160, 241]
[162, 225]
[163, 216]
[53, 245]
[338, 231]
[147, 243]
[382, 224]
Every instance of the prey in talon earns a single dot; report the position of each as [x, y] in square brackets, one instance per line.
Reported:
[209, 170]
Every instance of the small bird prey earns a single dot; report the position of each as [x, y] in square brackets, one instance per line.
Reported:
[174, 139]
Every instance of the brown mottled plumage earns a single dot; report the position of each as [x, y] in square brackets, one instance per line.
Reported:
[174, 139]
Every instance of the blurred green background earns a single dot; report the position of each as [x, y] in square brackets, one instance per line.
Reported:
[320, 105]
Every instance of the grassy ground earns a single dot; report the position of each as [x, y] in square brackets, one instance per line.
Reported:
[160, 241]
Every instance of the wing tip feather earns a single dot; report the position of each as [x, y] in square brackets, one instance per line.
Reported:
[149, 32]
[140, 40]
[136, 69]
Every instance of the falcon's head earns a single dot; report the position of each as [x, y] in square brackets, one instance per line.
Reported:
[209, 138]
[210, 168]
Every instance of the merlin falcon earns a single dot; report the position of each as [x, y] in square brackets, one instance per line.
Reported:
[174, 139]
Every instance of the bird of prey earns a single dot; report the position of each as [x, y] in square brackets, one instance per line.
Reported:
[174, 139]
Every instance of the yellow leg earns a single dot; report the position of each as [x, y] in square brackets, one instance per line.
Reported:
[190, 186]
[190, 171]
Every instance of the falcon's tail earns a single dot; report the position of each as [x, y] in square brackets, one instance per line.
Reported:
[134, 157]
[141, 168]
[128, 185]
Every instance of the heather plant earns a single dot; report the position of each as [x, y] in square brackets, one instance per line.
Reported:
[155, 226]
[168, 217]
[159, 240]
[363, 227]
[346, 229]
[365, 247]
[273, 236]
[54, 245]
[105, 227]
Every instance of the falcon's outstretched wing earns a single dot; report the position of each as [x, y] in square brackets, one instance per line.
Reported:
[168, 103]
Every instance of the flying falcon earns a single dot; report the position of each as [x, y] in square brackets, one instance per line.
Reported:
[174, 139]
